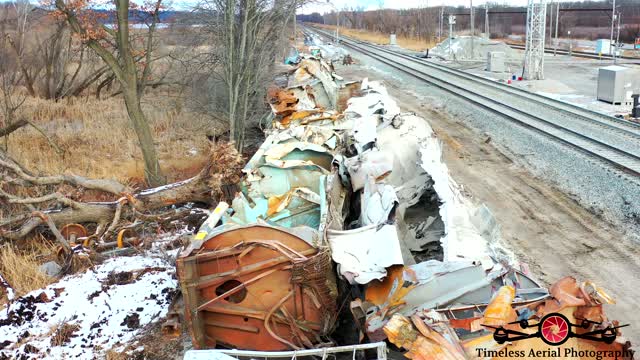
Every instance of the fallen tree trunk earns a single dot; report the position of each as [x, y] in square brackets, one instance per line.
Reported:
[222, 171]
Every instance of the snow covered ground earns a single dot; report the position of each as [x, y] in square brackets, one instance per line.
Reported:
[84, 315]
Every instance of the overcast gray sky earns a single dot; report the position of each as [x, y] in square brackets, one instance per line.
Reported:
[398, 4]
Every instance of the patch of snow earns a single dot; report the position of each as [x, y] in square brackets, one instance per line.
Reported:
[7, 288]
[106, 314]
[560, 96]
[164, 187]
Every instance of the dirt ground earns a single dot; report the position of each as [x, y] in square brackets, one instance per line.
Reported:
[544, 227]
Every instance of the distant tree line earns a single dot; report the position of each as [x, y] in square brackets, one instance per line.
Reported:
[587, 19]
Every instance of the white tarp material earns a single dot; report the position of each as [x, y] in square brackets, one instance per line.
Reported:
[363, 254]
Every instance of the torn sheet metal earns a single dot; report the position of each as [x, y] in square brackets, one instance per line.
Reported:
[347, 91]
[378, 202]
[311, 68]
[261, 277]
[366, 111]
[373, 164]
[454, 287]
[421, 341]
[579, 303]
[430, 335]
[407, 175]
[375, 100]
[297, 154]
[363, 254]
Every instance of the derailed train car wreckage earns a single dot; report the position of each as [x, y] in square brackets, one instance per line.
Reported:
[345, 184]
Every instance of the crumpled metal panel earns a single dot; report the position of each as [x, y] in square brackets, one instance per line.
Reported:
[430, 335]
[257, 287]
[451, 287]
[426, 344]
[363, 254]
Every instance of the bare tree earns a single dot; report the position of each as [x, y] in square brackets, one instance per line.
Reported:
[68, 68]
[244, 34]
[117, 49]
[10, 99]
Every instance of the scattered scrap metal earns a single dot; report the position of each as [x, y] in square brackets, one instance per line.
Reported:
[345, 176]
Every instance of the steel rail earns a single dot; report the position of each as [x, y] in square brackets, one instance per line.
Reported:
[582, 54]
[626, 128]
[622, 160]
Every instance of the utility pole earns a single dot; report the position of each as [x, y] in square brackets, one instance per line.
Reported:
[337, 21]
[550, 22]
[615, 58]
[452, 21]
[473, 33]
[613, 21]
[471, 16]
[441, 27]
[486, 20]
[555, 45]
[337, 27]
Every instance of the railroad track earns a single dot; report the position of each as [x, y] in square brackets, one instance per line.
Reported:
[582, 54]
[609, 140]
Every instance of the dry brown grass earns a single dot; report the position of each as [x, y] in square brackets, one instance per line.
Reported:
[98, 140]
[21, 267]
[115, 355]
[63, 333]
[383, 39]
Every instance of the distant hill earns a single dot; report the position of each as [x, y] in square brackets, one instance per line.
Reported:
[139, 16]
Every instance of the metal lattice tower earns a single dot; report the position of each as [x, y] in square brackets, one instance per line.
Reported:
[534, 50]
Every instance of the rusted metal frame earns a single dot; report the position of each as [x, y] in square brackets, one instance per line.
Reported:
[241, 286]
[268, 317]
[251, 329]
[213, 255]
[188, 272]
[238, 311]
[295, 328]
[244, 253]
[216, 254]
[331, 117]
[277, 245]
[258, 315]
[210, 280]
[312, 296]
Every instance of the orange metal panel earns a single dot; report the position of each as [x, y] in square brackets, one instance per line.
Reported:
[257, 298]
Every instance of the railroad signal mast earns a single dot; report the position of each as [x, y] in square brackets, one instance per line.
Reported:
[452, 21]
[534, 45]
